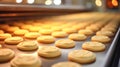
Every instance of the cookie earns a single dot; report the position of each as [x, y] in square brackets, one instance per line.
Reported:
[45, 31]
[101, 38]
[46, 39]
[49, 51]
[12, 29]
[32, 35]
[66, 64]
[13, 40]
[77, 37]
[1, 31]
[82, 56]
[86, 32]
[27, 45]
[65, 43]
[4, 36]
[6, 54]
[93, 46]
[59, 34]
[106, 33]
[26, 60]
[20, 32]
[69, 30]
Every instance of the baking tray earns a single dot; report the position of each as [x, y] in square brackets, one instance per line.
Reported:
[102, 58]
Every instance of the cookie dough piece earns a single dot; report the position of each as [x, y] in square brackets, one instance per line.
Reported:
[6, 54]
[59, 34]
[82, 56]
[32, 35]
[26, 60]
[93, 46]
[77, 37]
[86, 32]
[101, 38]
[27, 45]
[20, 32]
[49, 51]
[13, 40]
[66, 64]
[69, 30]
[46, 39]
[45, 31]
[65, 43]
[106, 33]
[4, 36]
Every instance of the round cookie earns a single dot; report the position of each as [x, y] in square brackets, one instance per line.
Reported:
[45, 31]
[56, 28]
[49, 51]
[82, 56]
[69, 30]
[27, 45]
[32, 35]
[4, 36]
[66, 64]
[13, 40]
[20, 32]
[46, 39]
[59, 34]
[101, 38]
[65, 43]
[0, 46]
[26, 60]
[77, 37]
[6, 54]
[93, 46]
[34, 29]
[12, 29]
[86, 32]
[1, 31]
[106, 33]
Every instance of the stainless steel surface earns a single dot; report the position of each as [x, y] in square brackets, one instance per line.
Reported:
[102, 59]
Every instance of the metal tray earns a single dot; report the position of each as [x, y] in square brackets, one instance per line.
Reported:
[102, 58]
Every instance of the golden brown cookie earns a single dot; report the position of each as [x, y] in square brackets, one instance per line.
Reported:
[69, 30]
[82, 56]
[13, 40]
[4, 36]
[46, 39]
[93, 46]
[49, 51]
[101, 38]
[106, 33]
[66, 64]
[59, 34]
[65, 43]
[20, 32]
[32, 35]
[86, 32]
[6, 54]
[77, 37]
[26, 60]
[27, 45]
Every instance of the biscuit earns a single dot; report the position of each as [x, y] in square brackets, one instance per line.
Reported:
[46, 39]
[56, 29]
[59, 34]
[65, 43]
[69, 30]
[86, 32]
[0, 46]
[32, 35]
[82, 56]
[34, 29]
[13, 40]
[12, 29]
[106, 33]
[93, 46]
[6, 54]
[77, 37]
[101, 38]
[66, 64]
[93, 28]
[45, 31]
[49, 51]
[1, 31]
[26, 60]
[20, 32]
[4, 36]
[27, 45]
